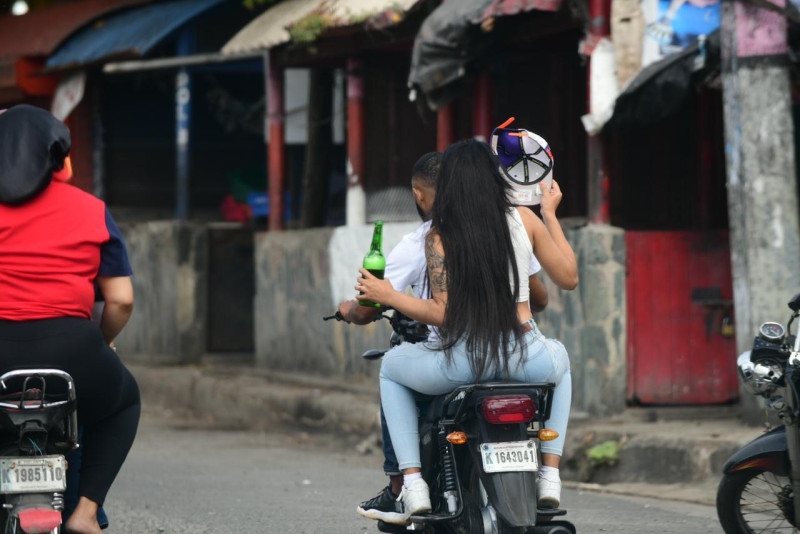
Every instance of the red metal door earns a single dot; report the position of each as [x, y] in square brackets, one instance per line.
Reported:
[679, 295]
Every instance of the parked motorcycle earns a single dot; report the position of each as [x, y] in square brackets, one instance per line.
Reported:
[480, 453]
[760, 487]
[38, 426]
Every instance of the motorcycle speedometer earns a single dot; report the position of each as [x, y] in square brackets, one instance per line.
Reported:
[773, 332]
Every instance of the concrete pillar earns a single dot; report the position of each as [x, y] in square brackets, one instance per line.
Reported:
[482, 124]
[356, 198]
[761, 178]
[276, 151]
[444, 128]
[599, 27]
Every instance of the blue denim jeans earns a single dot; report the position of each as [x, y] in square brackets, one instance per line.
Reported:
[390, 466]
[423, 368]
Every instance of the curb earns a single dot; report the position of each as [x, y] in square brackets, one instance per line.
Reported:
[677, 459]
[251, 402]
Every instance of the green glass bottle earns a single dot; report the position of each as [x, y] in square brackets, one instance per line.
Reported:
[374, 261]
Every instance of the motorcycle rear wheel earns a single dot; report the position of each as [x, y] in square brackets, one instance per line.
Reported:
[755, 501]
[476, 500]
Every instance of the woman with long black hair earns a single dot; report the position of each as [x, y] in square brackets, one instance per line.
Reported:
[477, 252]
[57, 242]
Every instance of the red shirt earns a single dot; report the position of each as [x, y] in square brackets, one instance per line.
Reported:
[50, 254]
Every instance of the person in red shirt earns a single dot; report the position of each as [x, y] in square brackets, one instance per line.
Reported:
[56, 242]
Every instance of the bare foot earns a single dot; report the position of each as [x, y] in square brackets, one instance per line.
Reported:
[77, 525]
[84, 519]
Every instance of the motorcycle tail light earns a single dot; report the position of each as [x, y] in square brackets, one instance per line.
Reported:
[506, 409]
[39, 520]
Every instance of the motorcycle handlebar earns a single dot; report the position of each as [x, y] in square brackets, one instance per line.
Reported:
[339, 317]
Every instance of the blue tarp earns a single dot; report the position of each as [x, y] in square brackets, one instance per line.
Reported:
[133, 33]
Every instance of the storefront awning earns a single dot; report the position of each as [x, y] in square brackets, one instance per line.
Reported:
[662, 87]
[132, 33]
[447, 44]
[272, 27]
[504, 8]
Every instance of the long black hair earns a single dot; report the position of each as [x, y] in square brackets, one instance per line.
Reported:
[469, 214]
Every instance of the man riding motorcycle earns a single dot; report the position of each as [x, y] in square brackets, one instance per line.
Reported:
[406, 267]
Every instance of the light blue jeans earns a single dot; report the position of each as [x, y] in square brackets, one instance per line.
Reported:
[423, 367]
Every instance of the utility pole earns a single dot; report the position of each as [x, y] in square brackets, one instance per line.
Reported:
[761, 179]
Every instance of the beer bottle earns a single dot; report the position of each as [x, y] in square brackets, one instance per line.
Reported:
[374, 261]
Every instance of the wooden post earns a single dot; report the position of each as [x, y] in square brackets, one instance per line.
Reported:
[183, 107]
[356, 198]
[277, 152]
[444, 128]
[183, 123]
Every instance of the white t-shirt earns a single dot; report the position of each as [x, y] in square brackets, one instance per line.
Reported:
[406, 265]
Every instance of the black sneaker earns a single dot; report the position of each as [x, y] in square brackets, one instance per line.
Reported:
[385, 507]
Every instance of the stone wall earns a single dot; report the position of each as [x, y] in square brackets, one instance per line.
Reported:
[303, 275]
[591, 320]
[169, 261]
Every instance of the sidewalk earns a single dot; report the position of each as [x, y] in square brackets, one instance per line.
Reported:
[674, 453]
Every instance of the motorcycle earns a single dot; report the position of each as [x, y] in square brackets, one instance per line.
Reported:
[38, 427]
[760, 486]
[480, 453]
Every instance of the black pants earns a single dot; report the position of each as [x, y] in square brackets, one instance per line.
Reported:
[108, 397]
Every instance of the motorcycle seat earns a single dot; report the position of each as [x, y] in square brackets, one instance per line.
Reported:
[436, 409]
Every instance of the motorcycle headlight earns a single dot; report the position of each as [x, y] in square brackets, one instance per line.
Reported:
[758, 378]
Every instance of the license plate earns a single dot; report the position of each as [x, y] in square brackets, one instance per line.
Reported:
[33, 474]
[509, 456]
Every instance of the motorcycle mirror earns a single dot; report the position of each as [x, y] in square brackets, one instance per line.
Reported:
[794, 304]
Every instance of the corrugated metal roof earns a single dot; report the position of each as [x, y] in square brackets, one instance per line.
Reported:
[133, 33]
[39, 32]
[270, 29]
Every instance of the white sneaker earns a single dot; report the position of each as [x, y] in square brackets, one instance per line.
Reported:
[548, 488]
[416, 498]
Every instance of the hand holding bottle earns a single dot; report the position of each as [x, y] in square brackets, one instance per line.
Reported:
[373, 288]
[374, 261]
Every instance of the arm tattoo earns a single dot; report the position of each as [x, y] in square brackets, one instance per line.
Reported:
[436, 272]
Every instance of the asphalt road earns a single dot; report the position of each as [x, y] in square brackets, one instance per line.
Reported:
[223, 482]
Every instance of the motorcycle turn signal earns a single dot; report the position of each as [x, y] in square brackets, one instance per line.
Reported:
[457, 438]
[547, 434]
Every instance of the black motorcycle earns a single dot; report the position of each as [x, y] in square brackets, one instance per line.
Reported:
[38, 426]
[480, 454]
[760, 487]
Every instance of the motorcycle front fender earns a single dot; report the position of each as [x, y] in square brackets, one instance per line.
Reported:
[512, 495]
[767, 451]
